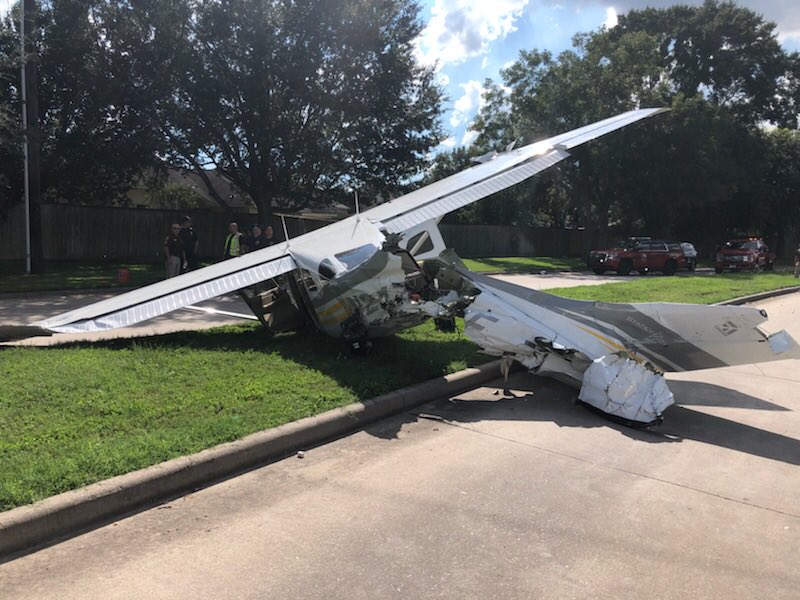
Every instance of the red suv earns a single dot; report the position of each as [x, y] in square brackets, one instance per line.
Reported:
[638, 254]
[750, 254]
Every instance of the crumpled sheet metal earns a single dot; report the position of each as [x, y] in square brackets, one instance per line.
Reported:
[625, 388]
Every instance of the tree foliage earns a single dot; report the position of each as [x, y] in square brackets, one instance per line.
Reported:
[295, 101]
[705, 170]
[292, 101]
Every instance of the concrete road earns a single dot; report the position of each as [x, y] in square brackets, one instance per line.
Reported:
[482, 496]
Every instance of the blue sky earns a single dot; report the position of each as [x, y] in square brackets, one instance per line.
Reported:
[471, 40]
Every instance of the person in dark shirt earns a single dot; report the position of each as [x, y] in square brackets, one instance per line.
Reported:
[191, 244]
[797, 262]
[269, 234]
[258, 240]
[174, 256]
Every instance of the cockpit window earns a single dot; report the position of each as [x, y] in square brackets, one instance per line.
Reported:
[426, 246]
[352, 258]
[326, 269]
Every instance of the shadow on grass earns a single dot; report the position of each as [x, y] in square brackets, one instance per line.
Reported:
[394, 362]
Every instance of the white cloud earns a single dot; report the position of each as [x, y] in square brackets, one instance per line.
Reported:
[461, 29]
[444, 80]
[448, 143]
[485, 62]
[469, 103]
[611, 18]
[469, 137]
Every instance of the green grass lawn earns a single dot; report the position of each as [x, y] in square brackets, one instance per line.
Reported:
[75, 414]
[693, 289]
[80, 276]
[72, 276]
[523, 264]
[79, 413]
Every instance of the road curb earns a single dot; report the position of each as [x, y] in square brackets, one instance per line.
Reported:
[57, 518]
[760, 296]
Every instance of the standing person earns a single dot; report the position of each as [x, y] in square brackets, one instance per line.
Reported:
[191, 244]
[233, 243]
[259, 239]
[797, 262]
[269, 234]
[174, 256]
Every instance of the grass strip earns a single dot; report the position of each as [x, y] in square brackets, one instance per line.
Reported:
[693, 289]
[72, 276]
[75, 414]
[523, 264]
[87, 276]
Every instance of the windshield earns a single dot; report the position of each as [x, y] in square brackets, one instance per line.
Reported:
[742, 245]
[352, 258]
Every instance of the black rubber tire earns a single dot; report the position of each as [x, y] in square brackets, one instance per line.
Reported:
[625, 267]
[598, 271]
[769, 267]
[718, 270]
[670, 267]
[691, 265]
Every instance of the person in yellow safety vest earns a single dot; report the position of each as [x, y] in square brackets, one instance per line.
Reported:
[233, 243]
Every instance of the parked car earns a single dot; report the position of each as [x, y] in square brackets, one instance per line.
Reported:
[638, 254]
[744, 254]
[689, 252]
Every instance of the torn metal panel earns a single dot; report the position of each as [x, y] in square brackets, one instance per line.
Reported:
[626, 389]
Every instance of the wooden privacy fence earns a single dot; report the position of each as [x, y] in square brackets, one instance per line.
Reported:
[126, 234]
[94, 233]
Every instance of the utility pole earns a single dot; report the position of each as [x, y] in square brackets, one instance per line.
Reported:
[34, 256]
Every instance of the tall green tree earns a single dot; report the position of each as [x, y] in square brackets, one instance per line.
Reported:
[695, 172]
[728, 54]
[97, 120]
[301, 101]
[781, 184]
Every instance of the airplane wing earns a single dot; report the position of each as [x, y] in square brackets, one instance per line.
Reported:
[162, 297]
[500, 172]
[307, 251]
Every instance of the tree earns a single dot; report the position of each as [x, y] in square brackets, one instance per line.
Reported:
[97, 119]
[727, 53]
[698, 171]
[301, 101]
[780, 204]
[10, 123]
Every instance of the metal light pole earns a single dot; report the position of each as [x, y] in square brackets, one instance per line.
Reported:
[30, 120]
[24, 60]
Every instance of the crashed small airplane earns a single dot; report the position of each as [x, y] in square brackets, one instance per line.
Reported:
[387, 269]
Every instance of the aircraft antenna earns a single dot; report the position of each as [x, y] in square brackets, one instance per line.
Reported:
[358, 213]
